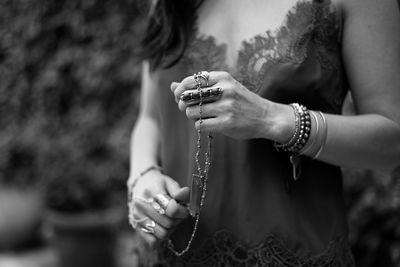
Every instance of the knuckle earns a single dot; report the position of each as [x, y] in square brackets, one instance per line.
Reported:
[225, 75]
[229, 119]
[229, 92]
[147, 192]
[227, 104]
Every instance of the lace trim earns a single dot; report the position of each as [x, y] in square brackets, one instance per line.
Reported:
[308, 25]
[226, 250]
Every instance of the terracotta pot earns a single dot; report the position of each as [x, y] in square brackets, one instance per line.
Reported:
[21, 212]
[84, 240]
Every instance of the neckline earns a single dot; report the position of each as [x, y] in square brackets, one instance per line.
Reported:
[273, 32]
[299, 6]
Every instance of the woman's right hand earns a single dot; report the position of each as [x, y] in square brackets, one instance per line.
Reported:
[152, 221]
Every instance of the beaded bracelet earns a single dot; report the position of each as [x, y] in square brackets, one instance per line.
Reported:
[313, 141]
[296, 133]
[301, 133]
[305, 129]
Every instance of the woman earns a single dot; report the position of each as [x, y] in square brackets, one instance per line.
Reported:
[278, 72]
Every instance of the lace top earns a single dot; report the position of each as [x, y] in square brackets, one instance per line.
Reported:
[249, 217]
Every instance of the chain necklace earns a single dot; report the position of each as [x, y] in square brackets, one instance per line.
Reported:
[199, 180]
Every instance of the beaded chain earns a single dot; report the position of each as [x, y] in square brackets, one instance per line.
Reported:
[202, 173]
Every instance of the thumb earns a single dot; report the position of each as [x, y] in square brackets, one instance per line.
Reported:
[171, 186]
[182, 196]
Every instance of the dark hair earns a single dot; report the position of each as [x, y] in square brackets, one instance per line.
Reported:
[167, 32]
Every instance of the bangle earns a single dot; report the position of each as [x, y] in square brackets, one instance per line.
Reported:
[325, 135]
[148, 169]
[141, 174]
[296, 133]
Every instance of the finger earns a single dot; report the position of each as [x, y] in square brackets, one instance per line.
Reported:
[194, 97]
[173, 86]
[176, 210]
[150, 226]
[209, 110]
[190, 83]
[211, 124]
[134, 219]
[145, 208]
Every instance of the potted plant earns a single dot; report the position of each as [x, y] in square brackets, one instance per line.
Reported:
[81, 216]
[20, 197]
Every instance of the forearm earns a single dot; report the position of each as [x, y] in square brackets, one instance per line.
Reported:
[362, 141]
[144, 145]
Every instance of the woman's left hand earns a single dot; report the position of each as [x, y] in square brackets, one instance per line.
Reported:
[237, 113]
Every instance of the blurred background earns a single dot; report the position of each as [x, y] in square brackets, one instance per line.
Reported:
[69, 87]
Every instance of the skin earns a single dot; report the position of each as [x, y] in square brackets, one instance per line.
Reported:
[371, 54]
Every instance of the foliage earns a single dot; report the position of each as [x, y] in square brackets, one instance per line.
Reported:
[374, 216]
[68, 95]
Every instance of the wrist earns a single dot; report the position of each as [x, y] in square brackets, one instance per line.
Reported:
[138, 165]
[134, 177]
[279, 123]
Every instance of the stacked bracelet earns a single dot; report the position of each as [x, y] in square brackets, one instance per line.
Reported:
[297, 144]
[299, 138]
[301, 133]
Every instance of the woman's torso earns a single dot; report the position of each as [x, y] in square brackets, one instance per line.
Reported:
[254, 213]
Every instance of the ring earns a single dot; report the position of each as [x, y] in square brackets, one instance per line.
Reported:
[201, 75]
[163, 200]
[149, 227]
[133, 221]
[206, 94]
[160, 203]
[205, 74]
[157, 207]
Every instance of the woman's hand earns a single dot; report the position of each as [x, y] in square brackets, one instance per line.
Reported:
[154, 221]
[238, 112]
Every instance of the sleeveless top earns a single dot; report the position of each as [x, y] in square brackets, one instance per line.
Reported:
[255, 214]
